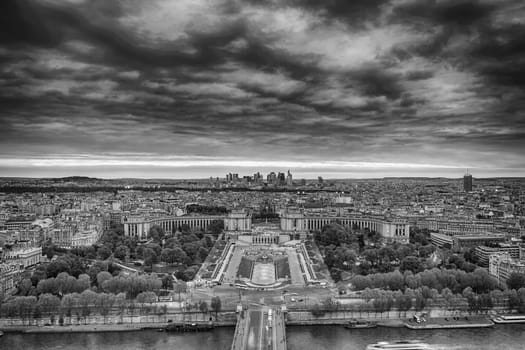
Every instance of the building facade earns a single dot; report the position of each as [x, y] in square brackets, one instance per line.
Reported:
[9, 277]
[139, 226]
[390, 229]
[464, 241]
[291, 221]
[238, 220]
[24, 255]
[483, 253]
[501, 266]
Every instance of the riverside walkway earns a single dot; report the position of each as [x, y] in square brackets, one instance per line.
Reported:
[260, 328]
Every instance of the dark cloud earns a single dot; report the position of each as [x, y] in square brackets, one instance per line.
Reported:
[374, 81]
[354, 13]
[455, 12]
[21, 23]
[396, 81]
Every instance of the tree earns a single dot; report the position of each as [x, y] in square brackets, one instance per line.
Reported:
[65, 283]
[49, 304]
[516, 281]
[149, 257]
[410, 263]
[190, 272]
[216, 305]
[24, 307]
[104, 252]
[486, 302]
[180, 287]
[156, 248]
[62, 264]
[403, 303]
[83, 283]
[146, 298]
[156, 233]
[421, 302]
[24, 287]
[203, 306]
[361, 282]
[216, 227]
[169, 255]
[121, 252]
[87, 300]
[102, 277]
[37, 276]
[120, 302]
[332, 234]
[202, 253]
[167, 282]
[48, 285]
[69, 302]
[104, 303]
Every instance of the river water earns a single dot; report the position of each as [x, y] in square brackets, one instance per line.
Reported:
[507, 337]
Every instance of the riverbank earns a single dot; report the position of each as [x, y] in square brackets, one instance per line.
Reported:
[81, 328]
[94, 328]
[95, 324]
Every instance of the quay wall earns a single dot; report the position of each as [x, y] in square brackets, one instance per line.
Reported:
[225, 318]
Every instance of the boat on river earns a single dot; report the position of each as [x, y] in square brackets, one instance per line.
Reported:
[399, 345]
[503, 319]
[188, 327]
[357, 324]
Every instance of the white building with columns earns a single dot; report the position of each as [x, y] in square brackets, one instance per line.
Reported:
[238, 220]
[138, 225]
[293, 221]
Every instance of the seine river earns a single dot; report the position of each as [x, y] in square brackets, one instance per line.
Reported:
[299, 338]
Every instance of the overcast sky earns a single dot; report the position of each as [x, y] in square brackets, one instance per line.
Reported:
[196, 88]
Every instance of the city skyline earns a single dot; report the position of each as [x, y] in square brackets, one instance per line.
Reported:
[193, 89]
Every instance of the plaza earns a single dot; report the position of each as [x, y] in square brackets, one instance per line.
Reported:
[262, 256]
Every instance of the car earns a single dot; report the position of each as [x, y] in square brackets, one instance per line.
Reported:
[300, 300]
[292, 299]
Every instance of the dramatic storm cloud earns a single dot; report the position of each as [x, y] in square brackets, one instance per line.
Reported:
[180, 88]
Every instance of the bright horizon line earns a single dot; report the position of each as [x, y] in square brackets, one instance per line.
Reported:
[180, 167]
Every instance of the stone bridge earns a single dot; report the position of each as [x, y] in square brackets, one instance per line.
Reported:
[260, 328]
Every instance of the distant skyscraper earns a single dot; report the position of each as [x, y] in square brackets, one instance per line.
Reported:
[289, 180]
[271, 178]
[257, 178]
[281, 179]
[467, 182]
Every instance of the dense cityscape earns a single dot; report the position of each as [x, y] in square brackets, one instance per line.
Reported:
[83, 251]
[262, 175]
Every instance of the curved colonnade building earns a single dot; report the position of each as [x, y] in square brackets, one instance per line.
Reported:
[292, 221]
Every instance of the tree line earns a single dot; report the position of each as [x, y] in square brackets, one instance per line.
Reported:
[456, 280]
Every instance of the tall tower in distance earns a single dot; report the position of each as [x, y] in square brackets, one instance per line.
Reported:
[467, 182]
[289, 179]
